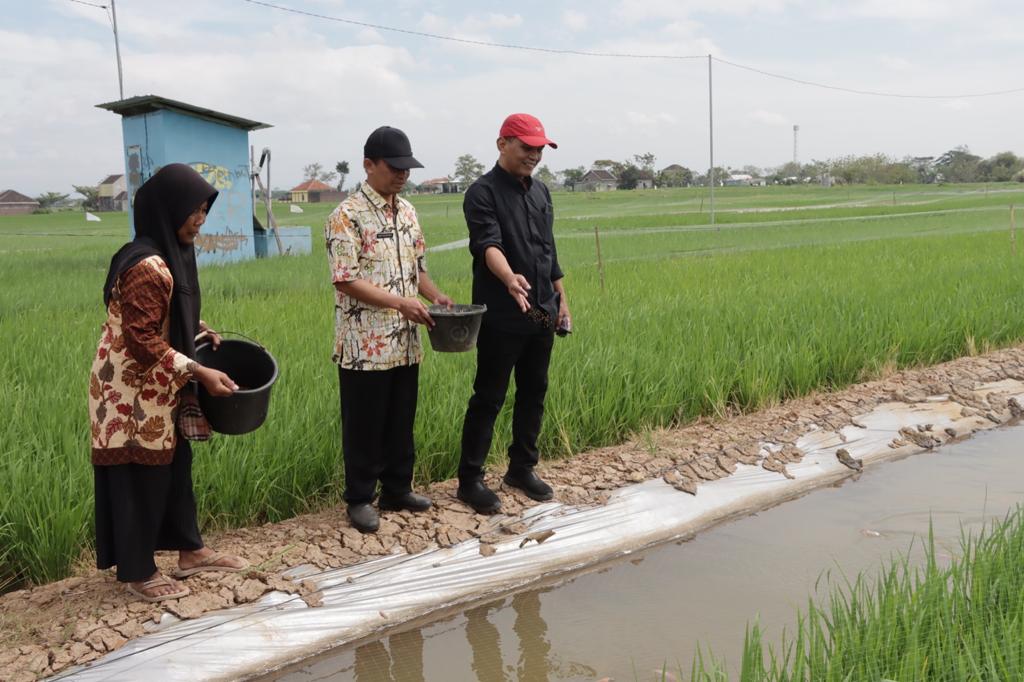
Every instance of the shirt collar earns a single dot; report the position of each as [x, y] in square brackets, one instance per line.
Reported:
[513, 180]
[376, 199]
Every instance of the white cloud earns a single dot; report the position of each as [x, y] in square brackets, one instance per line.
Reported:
[370, 36]
[908, 10]
[497, 21]
[771, 118]
[644, 119]
[895, 63]
[957, 105]
[574, 21]
[642, 10]
[324, 85]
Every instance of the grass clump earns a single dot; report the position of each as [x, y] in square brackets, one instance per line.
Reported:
[964, 621]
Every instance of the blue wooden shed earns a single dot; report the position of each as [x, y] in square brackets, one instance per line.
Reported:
[158, 131]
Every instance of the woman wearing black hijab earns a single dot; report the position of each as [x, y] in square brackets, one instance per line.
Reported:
[141, 377]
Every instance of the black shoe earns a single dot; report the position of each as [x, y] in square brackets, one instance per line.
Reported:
[364, 517]
[478, 496]
[407, 502]
[530, 483]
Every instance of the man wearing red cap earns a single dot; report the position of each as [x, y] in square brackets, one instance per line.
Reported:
[516, 275]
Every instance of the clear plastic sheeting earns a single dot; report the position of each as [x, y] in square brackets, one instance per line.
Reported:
[362, 599]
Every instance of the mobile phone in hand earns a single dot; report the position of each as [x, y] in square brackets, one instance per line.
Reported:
[564, 327]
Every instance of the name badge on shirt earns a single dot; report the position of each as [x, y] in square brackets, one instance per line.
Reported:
[386, 235]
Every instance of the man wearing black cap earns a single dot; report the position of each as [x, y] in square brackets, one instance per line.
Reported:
[378, 268]
[516, 274]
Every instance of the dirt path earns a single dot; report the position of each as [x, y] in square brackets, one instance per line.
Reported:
[48, 628]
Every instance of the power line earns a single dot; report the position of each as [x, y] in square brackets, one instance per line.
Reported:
[873, 93]
[622, 55]
[467, 41]
[90, 4]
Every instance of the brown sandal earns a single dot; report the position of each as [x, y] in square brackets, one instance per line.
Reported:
[209, 564]
[159, 581]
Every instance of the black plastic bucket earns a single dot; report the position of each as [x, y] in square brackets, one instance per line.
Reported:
[455, 330]
[250, 366]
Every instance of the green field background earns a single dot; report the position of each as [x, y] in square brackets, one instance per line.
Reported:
[793, 289]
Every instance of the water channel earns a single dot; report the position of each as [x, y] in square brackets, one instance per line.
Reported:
[628, 619]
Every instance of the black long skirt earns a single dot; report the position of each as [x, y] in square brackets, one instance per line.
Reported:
[141, 509]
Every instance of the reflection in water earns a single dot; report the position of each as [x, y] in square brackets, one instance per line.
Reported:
[531, 630]
[402, 659]
[485, 641]
[629, 617]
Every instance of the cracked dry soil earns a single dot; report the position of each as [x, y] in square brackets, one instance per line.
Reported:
[47, 628]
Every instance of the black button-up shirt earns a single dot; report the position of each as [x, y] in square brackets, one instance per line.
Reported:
[518, 218]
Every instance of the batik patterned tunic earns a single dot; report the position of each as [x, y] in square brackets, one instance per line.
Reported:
[136, 375]
[367, 240]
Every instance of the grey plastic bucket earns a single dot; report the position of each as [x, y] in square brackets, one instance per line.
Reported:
[455, 330]
[250, 366]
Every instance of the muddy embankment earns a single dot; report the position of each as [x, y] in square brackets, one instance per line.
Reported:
[49, 628]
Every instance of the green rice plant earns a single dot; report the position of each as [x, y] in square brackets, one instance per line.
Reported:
[689, 322]
[964, 621]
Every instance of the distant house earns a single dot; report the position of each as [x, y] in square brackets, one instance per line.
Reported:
[112, 194]
[445, 185]
[738, 180]
[675, 175]
[15, 203]
[646, 180]
[597, 180]
[315, 192]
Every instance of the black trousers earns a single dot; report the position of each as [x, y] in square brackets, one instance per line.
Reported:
[497, 355]
[141, 509]
[378, 412]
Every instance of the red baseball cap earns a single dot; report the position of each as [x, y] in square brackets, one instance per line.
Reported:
[527, 128]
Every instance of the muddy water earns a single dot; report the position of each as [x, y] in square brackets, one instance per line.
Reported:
[628, 619]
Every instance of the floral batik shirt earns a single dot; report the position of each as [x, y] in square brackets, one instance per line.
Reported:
[136, 375]
[368, 240]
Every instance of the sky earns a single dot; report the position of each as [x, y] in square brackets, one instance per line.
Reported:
[324, 85]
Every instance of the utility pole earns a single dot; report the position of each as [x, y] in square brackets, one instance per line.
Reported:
[711, 144]
[796, 130]
[117, 49]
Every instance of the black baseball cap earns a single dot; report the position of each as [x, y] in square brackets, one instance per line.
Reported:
[392, 145]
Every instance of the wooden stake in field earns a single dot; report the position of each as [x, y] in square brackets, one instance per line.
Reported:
[600, 263]
[1013, 229]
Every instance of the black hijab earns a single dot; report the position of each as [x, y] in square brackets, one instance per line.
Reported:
[162, 205]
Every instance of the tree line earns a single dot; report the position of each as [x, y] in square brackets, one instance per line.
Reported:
[954, 166]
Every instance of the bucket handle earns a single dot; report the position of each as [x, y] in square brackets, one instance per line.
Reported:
[228, 331]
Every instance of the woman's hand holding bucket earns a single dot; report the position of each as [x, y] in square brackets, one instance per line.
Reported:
[215, 382]
[205, 331]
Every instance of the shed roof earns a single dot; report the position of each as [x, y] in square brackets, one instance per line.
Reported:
[311, 185]
[145, 104]
[111, 179]
[9, 196]
[598, 174]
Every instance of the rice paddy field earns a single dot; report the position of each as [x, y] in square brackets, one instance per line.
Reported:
[794, 289]
[964, 621]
